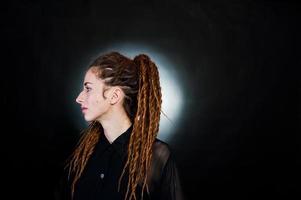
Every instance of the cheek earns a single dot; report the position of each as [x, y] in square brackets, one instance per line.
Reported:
[97, 101]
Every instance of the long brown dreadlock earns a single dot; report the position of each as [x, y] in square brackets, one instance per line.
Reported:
[139, 80]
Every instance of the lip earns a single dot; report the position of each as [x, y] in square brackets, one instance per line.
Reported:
[84, 109]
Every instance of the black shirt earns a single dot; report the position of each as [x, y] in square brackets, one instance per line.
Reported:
[100, 177]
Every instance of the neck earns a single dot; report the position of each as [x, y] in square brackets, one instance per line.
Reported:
[115, 124]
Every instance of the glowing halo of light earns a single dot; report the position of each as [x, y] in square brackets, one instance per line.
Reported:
[172, 97]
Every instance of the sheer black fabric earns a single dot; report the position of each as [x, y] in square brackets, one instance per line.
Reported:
[100, 177]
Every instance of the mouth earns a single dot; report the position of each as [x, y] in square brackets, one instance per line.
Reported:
[84, 109]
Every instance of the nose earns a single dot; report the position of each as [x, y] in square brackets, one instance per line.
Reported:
[79, 98]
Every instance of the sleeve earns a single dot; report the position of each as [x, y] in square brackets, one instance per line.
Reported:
[62, 188]
[170, 181]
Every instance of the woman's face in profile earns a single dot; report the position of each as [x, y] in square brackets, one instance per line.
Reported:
[91, 98]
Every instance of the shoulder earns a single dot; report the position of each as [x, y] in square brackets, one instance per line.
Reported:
[161, 151]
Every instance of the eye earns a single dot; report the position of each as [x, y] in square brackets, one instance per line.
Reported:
[88, 89]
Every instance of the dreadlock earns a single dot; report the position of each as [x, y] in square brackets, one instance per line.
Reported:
[139, 80]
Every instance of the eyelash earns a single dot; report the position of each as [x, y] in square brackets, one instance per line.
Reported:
[88, 89]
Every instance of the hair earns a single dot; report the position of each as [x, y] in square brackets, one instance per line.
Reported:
[139, 80]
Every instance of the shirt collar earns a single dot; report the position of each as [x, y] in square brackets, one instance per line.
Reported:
[119, 144]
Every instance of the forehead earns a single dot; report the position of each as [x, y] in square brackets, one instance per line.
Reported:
[91, 77]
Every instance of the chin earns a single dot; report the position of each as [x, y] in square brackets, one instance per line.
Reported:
[89, 119]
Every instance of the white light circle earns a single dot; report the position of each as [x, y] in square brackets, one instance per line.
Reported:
[172, 97]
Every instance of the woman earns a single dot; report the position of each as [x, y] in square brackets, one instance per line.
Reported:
[119, 156]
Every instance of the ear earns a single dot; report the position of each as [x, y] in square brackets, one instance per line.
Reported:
[116, 95]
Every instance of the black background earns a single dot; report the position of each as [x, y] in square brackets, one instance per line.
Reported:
[237, 136]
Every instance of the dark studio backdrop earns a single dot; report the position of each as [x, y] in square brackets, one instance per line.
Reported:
[237, 134]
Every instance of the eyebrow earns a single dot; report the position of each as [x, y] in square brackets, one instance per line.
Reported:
[86, 83]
